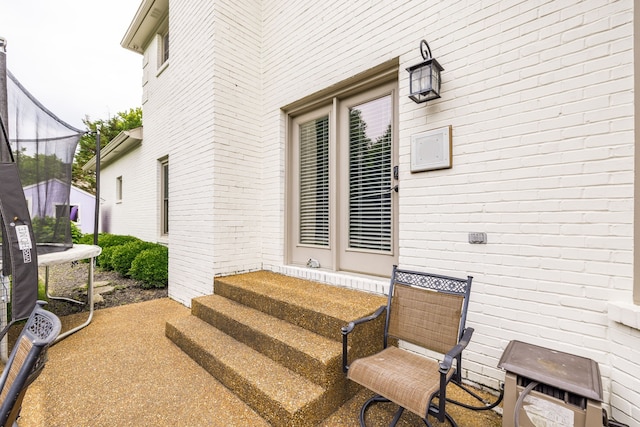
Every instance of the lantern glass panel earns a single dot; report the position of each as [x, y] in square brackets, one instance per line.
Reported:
[424, 81]
[421, 80]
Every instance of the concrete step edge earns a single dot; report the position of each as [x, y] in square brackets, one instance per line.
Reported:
[281, 396]
[276, 306]
[309, 354]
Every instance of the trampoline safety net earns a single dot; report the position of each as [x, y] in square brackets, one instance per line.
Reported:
[43, 148]
[36, 157]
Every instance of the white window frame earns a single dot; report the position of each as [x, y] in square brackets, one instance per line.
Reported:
[163, 192]
[119, 189]
[56, 211]
[163, 42]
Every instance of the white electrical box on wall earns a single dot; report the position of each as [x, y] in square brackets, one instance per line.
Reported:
[431, 150]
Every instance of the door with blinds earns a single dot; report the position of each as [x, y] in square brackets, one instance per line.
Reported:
[344, 184]
[367, 205]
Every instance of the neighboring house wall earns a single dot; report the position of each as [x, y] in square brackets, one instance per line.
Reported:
[77, 197]
[540, 99]
[86, 204]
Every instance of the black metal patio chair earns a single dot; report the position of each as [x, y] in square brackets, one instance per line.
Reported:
[26, 361]
[427, 310]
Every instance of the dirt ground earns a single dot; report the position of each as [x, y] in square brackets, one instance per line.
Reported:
[70, 281]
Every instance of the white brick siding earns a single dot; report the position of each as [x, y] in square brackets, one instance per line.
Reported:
[204, 111]
[188, 132]
[238, 118]
[539, 95]
[123, 216]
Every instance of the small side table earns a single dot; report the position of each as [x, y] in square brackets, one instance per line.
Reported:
[555, 387]
[75, 253]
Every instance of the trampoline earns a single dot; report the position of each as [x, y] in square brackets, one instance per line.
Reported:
[36, 156]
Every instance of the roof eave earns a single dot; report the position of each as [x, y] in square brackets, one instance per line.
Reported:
[148, 17]
[122, 143]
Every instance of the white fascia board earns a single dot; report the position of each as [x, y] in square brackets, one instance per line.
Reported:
[149, 16]
[120, 144]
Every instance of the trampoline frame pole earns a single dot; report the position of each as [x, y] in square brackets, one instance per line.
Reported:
[5, 153]
[97, 205]
[5, 156]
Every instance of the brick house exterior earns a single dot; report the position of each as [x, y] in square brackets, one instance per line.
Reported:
[540, 99]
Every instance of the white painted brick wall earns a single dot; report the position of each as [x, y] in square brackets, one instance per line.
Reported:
[133, 214]
[540, 98]
[123, 215]
[139, 188]
[539, 95]
[206, 114]
[238, 118]
[186, 131]
[625, 372]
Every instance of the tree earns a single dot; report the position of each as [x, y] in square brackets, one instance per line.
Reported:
[109, 129]
[35, 167]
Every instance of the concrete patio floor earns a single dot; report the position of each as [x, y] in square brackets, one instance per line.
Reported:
[121, 370]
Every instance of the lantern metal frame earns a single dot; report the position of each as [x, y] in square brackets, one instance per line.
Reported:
[424, 78]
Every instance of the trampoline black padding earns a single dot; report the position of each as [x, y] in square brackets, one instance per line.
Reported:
[20, 243]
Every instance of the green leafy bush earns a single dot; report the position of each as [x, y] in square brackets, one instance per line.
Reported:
[44, 228]
[104, 259]
[76, 233]
[123, 255]
[128, 255]
[50, 229]
[105, 241]
[151, 267]
[86, 239]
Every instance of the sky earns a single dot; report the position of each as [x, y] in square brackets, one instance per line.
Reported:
[67, 54]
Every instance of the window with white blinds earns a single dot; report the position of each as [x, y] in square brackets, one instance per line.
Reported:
[370, 175]
[314, 182]
[164, 209]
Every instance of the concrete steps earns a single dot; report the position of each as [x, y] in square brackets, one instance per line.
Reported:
[275, 341]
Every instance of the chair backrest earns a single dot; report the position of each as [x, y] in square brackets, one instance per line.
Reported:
[26, 360]
[426, 309]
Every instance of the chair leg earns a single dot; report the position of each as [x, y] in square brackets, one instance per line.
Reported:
[450, 419]
[375, 399]
[447, 417]
[396, 417]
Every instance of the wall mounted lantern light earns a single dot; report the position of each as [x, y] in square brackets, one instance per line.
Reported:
[424, 78]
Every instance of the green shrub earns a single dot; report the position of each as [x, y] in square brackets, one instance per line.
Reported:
[151, 267]
[50, 229]
[46, 228]
[42, 291]
[106, 241]
[76, 233]
[123, 255]
[86, 239]
[104, 259]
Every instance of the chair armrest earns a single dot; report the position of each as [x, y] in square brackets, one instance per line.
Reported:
[349, 328]
[446, 363]
[346, 330]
